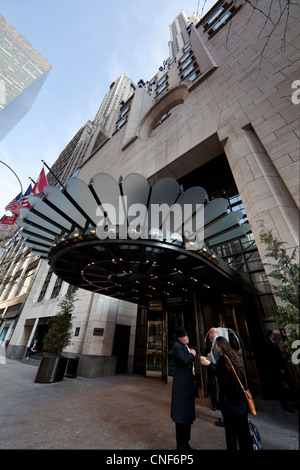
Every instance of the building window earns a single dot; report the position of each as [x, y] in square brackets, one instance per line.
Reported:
[162, 119]
[8, 290]
[192, 70]
[216, 19]
[125, 111]
[121, 123]
[24, 282]
[56, 288]
[161, 89]
[221, 21]
[162, 80]
[187, 65]
[171, 63]
[162, 86]
[184, 57]
[194, 75]
[45, 285]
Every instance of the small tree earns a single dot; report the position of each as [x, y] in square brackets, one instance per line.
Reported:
[60, 331]
[285, 272]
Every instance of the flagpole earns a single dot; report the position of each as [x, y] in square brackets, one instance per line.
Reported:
[14, 174]
[52, 173]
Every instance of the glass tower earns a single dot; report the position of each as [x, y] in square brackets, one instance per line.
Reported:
[23, 71]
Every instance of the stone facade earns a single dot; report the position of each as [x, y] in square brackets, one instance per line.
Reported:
[237, 100]
[240, 103]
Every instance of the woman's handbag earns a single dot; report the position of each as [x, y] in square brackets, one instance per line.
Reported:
[247, 392]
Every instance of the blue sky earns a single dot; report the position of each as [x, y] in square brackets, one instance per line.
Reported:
[89, 44]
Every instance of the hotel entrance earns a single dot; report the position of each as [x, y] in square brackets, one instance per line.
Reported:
[156, 325]
[198, 311]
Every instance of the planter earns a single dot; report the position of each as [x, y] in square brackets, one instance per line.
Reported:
[72, 367]
[52, 369]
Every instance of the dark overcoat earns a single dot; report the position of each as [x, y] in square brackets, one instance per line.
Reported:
[232, 398]
[183, 401]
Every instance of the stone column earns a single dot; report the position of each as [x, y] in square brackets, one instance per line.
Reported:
[264, 194]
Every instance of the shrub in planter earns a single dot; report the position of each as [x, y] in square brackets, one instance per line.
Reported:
[53, 364]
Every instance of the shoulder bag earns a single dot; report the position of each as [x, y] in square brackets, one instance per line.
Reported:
[247, 392]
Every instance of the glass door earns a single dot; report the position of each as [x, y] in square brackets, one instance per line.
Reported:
[154, 348]
[155, 340]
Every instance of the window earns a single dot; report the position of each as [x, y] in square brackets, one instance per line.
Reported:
[194, 75]
[24, 283]
[187, 63]
[45, 285]
[162, 119]
[215, 20]
[124, 111]
[171, 63]
[188, 67]
[121, 123]
[56, 288]
[162, 80]
[221, 21]
[220, 10]
[191, 73]
[162, 88]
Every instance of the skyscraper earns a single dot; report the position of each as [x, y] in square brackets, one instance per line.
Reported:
[120, 90]
[23, 71]
[104, 122]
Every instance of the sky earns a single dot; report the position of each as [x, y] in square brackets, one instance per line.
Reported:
[89, 43]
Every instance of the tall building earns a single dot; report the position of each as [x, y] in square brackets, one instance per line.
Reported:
[16, 260]
[104, 122]
[119, 91]
[23, 71]
[215, 124]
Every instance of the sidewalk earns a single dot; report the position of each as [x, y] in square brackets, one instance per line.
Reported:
[117, 412]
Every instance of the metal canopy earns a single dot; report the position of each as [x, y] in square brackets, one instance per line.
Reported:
[62, 227]
[138, 272]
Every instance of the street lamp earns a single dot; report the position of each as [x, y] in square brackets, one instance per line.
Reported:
[14, 174]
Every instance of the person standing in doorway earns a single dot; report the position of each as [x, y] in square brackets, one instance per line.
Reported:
[276, 366]
[183, 399]
[213, 356]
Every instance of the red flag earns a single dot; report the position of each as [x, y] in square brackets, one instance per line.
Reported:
[40, 184]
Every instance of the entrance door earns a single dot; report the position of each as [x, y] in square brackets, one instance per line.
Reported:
[121, 347]
[154, 359]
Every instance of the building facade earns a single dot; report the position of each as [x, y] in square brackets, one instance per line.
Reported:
[17, 258]
[23, 71]
[218, 115]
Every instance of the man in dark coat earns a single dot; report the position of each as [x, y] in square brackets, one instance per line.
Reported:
[276, 370]
[183, 400]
